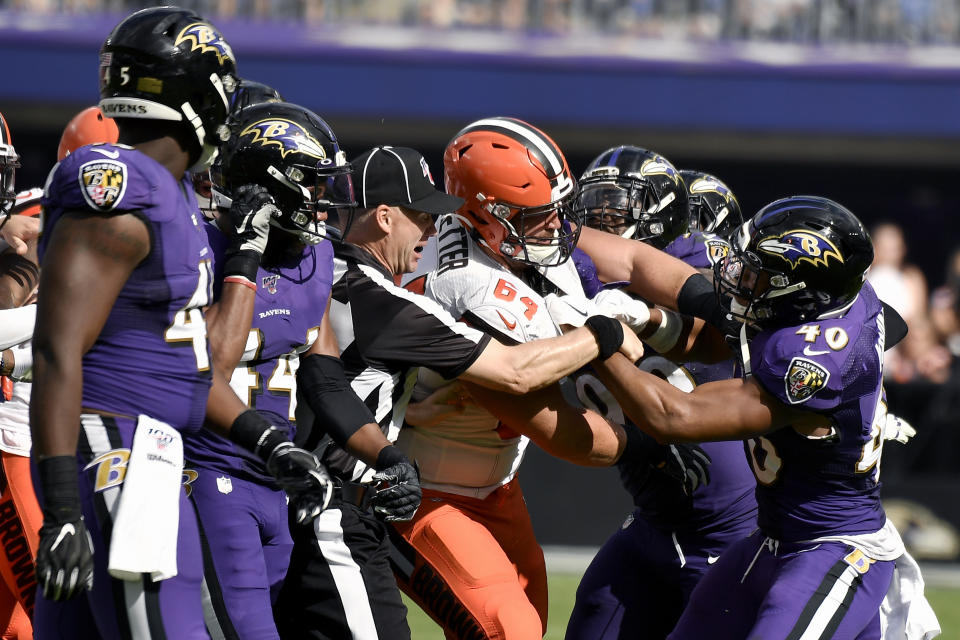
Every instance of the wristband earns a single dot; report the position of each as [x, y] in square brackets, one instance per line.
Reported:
[241, 280]
[22, 361]
[609, 334]
[389, 456]
[252, 432]
[243, 263]
[697, 298]
[668, 332]
[60, 488]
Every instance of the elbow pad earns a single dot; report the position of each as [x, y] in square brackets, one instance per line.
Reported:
[324, 386]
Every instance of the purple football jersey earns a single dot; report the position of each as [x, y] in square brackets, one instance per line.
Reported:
[291, 299]
[698, 249]
[826, 486]
[151, 356]
[728, 500]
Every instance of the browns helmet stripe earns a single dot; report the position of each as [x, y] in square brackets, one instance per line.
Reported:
[543, 148]
[4, 131]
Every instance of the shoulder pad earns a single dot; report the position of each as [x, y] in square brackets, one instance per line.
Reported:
[699, 250]
[106, 178]
[796, 371]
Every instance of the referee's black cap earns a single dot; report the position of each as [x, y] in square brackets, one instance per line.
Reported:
[399, 176]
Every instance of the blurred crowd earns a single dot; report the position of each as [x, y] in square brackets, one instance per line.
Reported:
[800, 21]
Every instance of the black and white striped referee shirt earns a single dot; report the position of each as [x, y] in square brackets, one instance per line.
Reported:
[385, 333]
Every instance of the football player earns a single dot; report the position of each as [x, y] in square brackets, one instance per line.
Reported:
[16, 231]
[19, 512]
[127, 270]
[499, 263]
[89, 126]
[285, 160]
[642, 577]
[810, 407]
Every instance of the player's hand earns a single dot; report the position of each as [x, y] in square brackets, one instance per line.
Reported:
[896, 428]
[631, 347]
[250, 214]
[64, 558]
[688, 464]
[620, 305]
[19, 230]
[569, 310]
[306, 481]
[399, 498]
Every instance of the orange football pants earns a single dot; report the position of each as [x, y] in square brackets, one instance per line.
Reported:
[20, 521]
[477, 568]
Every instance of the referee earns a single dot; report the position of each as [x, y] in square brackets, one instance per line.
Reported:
[340, 584]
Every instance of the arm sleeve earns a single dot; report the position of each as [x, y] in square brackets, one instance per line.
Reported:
[16, 325]
[323, 383]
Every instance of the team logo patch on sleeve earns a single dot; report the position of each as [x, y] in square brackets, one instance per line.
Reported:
[804, 378]
[103, 183]
[717, 250]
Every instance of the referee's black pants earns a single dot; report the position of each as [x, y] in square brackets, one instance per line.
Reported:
[340, 585]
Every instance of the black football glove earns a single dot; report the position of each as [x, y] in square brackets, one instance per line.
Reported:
[399, 496]
[688, 464]
[65, 553]
[250, 214]
[300, 474]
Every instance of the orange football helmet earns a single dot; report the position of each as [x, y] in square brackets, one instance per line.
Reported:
[512, 176]
[87, 127]
[9, 162]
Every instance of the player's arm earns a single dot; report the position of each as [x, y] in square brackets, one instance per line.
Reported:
[89, 258]
[528, 366]
[683, 338]
[228, 324]
[576, 435]
[734, 409]
[652, 274]
[229, 319]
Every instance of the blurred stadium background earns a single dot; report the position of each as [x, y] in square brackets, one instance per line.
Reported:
[857, 100]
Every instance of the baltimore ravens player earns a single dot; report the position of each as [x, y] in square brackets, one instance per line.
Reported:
[674, 534]
[126, 266]
[282, 160]
[811, 409]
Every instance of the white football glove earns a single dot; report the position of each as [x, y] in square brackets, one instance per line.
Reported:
[624, 307]
[570, 310]
[896, 428]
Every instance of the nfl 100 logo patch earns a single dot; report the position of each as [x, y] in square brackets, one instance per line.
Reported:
[804, 378]
[270, 283]
[103, 183]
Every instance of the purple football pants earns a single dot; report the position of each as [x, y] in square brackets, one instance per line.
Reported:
[639, 582]
[761, 590]
[247, 538]
[119, 609]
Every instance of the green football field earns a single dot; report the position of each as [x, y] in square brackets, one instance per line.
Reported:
[946, 602]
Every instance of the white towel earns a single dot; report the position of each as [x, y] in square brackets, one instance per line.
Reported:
[905, 613]
[147, 521]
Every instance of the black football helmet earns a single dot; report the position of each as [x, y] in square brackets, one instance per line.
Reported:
[713, 207]
[633, 193]
[247, 93]
[168, 63]
[294, 154]
[796, 260]
[250, 92]
[9, 163]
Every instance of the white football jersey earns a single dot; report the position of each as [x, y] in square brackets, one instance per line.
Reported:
[472, 454]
